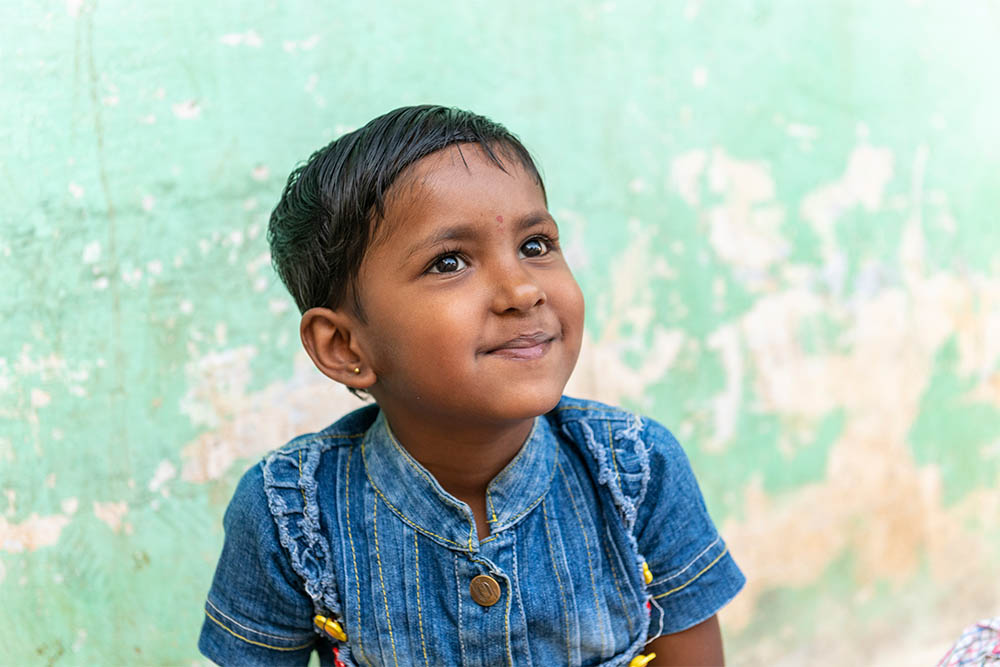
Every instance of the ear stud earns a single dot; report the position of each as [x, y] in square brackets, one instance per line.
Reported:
[357, 371]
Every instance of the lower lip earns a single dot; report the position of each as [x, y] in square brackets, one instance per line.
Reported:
[523, 353]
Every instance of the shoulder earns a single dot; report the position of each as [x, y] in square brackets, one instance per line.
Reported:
[285, 488]
[608, 425]
[284, 484]
[260, 492]
[623, 450]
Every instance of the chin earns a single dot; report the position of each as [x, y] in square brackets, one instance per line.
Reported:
[533, 402]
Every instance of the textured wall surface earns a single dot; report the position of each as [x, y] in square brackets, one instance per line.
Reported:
[783, 216]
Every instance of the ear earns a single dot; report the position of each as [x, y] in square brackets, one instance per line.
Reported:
[331, 340]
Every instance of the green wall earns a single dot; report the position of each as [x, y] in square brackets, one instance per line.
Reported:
[783, 216]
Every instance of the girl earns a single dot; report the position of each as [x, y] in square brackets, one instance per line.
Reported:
[472, 515]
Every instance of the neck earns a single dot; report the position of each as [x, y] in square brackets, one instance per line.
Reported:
[463, 458]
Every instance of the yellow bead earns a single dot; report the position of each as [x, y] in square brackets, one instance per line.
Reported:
[641, 660]
[647, 575]
[330, 627]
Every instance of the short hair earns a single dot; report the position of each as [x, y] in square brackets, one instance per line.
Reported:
[324, 223]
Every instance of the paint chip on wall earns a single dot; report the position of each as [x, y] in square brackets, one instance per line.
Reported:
[187, 109]
[111, 513]
[39, 398]
[249, 38]
[165, 472]
[699, 77]
[91, 252]
[32, 533]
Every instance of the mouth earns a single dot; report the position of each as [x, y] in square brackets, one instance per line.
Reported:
[526, 346]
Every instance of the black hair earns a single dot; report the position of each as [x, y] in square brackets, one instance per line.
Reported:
[329, 209]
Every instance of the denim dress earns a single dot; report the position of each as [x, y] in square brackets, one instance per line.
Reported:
[599, 542]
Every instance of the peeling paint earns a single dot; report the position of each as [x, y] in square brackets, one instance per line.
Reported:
[728, 405]
[248, 38]
[112, 513]
[33, 533]
[745, 230]
[246, 424]
[869, 170]
[165, 472]
[789, 262]
[875, 501]
[186, 110]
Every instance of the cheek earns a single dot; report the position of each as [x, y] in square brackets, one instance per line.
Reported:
[433, 335]
[571, 305]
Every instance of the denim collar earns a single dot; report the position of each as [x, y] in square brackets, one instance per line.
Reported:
[417, 498]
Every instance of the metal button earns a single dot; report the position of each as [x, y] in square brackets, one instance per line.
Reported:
[484, 590]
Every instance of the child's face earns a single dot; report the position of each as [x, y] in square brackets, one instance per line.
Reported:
[472, 313]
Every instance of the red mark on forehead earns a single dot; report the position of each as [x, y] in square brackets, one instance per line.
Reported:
[499, 218]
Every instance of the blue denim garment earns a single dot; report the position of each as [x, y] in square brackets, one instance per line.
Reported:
[346, 523]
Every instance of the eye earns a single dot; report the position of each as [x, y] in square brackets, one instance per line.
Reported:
[449, 263]
[536, 246]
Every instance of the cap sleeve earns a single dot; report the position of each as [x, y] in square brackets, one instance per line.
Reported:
[257, 611]
[693, 573]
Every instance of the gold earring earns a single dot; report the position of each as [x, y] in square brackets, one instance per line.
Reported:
[357, 371]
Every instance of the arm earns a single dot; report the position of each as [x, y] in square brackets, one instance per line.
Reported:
[696, 646]
[257, 612]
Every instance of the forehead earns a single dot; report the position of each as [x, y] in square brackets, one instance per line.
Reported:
[459, 183]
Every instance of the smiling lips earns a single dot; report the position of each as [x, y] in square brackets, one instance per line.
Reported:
[524, 347]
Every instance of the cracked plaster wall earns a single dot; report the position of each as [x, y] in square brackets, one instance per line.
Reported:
[783, 216]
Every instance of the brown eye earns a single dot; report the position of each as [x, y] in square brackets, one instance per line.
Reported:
[535, 247]
[447, 264]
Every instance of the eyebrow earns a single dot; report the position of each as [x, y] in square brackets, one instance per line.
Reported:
[467, 231]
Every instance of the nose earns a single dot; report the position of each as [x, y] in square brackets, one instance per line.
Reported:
[516, 290]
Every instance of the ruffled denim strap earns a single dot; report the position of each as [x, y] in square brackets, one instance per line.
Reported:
[290, 484]
[622, 459]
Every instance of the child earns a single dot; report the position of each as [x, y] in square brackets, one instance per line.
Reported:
[472, 515]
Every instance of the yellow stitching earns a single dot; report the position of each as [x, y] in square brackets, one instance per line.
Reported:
[489, 539]
[413, 464]
[520, 453]
[562, 593]
[689, 581]
[493, 509]
[385, 599]
[350, 537]
[305, 503]
[586, 543]
[250, 641]
[506, 470]
[688, 566]
[420, 615]
[618, 588]
[539, 498]
[614, 459]
[411, 523]
[482, 562]
[402, 516]
[237, 623]
[584, 408]
[331, 436]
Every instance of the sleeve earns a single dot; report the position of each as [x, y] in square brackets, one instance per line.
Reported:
[257, 611]
[693, 573]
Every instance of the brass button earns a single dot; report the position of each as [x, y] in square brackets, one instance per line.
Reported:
[484, 590]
